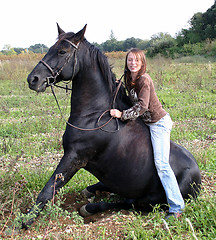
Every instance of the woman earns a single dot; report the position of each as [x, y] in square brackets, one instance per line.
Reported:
[147, 106]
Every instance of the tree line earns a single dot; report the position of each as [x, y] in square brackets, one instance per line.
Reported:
[198, 39]
[37, 48]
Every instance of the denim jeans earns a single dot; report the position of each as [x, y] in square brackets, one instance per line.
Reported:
[160, 137]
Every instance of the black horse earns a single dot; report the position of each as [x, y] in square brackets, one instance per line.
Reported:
[118, 154]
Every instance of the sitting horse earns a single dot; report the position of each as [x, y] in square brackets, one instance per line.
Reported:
[119, 154]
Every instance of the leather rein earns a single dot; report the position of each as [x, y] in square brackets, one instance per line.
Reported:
[52, 81]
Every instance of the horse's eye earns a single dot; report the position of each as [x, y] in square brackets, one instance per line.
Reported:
[62, 52]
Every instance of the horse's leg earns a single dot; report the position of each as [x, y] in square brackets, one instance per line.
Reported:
[90, 191]
[93, 208]
[65, 170]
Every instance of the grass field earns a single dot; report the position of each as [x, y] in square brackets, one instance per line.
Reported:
[30, 148]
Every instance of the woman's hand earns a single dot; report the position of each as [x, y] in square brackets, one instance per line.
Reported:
[115, 113]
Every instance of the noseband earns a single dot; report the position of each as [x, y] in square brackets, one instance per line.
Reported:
[52, 80]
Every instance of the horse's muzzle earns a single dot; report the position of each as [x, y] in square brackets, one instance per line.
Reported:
[36, 84]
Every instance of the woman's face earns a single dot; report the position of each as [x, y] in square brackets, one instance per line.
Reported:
[134, 63]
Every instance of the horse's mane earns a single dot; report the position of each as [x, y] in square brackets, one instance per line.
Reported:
[102, 61]
[97, 56]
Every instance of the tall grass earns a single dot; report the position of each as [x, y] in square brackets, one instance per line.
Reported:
[16, 67]
[30, 144]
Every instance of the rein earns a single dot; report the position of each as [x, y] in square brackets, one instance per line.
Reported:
[52, 80]
[100, 117]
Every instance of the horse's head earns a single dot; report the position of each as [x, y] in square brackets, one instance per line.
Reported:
[59, 63]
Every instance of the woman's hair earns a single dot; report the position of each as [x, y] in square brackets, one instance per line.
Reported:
[139, 55]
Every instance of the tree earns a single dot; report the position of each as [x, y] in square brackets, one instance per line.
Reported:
[38, 48]
[19, 50]
[202, 27]
[209, 22]
[143, 44]
[8, 50]
[112, 36]
[196, 29]
[7, 47]
[111, 44]
[160, 44]
[130, 43]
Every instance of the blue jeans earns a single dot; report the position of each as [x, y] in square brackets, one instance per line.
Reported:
[160, 137]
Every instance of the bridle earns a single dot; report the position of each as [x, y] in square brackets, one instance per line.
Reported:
[52, 80]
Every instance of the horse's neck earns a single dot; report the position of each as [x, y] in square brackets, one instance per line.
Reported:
[90, 93]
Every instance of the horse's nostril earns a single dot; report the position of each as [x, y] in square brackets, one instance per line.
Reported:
[35, 80]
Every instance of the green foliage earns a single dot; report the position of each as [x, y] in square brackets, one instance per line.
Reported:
[202, 27]
[38, 48]
[8, 50]
[160, 44]
[114, 45]
[197, 222]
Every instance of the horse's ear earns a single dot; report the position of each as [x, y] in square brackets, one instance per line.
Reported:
[60, 31]
[80, 35]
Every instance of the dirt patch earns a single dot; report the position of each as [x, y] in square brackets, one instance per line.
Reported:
[76, 201]
[106, 225]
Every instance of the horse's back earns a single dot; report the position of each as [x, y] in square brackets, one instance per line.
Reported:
[186, 170]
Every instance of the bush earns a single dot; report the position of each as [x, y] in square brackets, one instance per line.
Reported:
[210, 48]
[161, 44]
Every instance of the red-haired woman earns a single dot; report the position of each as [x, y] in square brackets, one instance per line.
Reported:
[147, 106]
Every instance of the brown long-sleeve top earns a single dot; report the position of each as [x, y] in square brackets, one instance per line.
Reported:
[145, 102]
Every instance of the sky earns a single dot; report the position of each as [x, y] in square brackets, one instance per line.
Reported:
[27, 22]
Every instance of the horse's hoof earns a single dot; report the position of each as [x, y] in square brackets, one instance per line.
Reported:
[86, 193]
[84, 212]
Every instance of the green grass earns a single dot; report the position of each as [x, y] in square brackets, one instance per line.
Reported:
[199, 213]
[31, 130]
